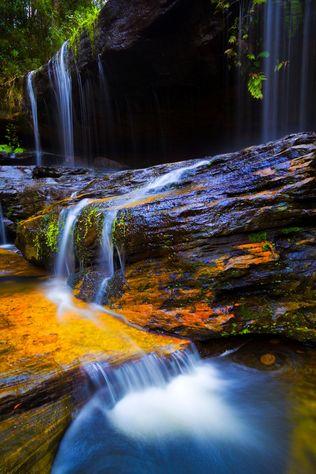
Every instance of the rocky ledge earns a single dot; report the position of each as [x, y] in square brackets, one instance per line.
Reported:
[228, 249]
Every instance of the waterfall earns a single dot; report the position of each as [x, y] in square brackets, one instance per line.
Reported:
[3, 236]
[306, 66]
[272, 31]
[62, 85]
[290, 68]
[33, 102]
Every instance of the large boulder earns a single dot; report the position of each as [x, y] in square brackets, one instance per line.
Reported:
[229, 249]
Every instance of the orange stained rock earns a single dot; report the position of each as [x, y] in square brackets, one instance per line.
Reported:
[33, 340]
[257, 254]
[301, 162]
[268, 359]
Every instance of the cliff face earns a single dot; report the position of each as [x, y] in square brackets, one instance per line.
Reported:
[151, 88]
[226, 249]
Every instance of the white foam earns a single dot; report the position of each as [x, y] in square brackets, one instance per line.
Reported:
[189, 405]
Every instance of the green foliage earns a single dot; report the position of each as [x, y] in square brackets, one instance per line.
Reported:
[31, 31]
[12, 145]
[244, 331]
[268, 246]
[51, 234]
[281, 65]
[221, 5]
[258, 237]
[9, 149]
[6, 148]
[83, 20]
[291, 230]
[255, 84]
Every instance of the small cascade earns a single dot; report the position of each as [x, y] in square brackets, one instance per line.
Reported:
[33, 101]
[61, 82]
[65, 254]
[65, 260]
[107, 253]
[3, 235]
[290, 68]
[151, 370]
[176, 414]
[167, 179]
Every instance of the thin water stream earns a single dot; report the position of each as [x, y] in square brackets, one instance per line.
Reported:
[33, 101]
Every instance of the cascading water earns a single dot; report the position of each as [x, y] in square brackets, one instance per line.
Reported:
[308, 74]
[33, 102]
[65, 254]
[176, 415]
[107, 254]
[167, 179]
[57, 290]
[290, 68]
[60, 78]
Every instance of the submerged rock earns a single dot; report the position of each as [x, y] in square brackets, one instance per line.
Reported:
[229, 249]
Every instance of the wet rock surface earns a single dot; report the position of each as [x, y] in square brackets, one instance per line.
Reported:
[25, 190]
[228, 250]
[42, 355]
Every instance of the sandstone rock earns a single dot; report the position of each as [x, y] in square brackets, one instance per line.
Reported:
[25, 190]
[228, 250]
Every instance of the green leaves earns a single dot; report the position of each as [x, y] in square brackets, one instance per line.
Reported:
[9, 149]
[255, 84]
[6, 148]
[281, 65]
